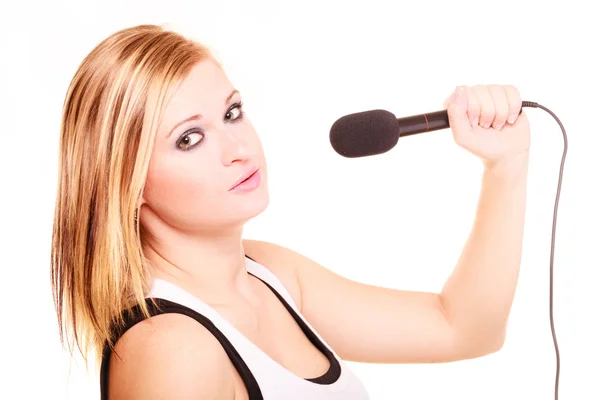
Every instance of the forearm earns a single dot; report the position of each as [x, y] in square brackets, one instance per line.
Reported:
[478, 295]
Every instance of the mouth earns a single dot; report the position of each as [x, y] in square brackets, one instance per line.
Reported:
[247, 177]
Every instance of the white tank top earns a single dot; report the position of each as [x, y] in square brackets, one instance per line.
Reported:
[275, 381]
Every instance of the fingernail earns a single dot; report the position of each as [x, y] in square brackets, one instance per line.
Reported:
[512, 119]
[499, 127]
[474, 122]
[486, 125]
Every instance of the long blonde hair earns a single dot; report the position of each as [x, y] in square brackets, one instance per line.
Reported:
[111, 113]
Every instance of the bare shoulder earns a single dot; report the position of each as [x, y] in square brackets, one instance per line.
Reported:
[170, 356]
[281, 261]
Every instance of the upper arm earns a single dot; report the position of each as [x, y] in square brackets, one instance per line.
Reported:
[169, 356]
[368, 323]
[371, 323]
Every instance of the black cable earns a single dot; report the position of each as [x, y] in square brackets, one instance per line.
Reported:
[560, 175]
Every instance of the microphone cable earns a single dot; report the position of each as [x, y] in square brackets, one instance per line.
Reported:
[560, 176]
[386, 123]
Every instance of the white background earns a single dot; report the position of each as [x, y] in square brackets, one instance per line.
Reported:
[397, 220]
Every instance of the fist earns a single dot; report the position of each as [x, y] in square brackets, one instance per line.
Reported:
[485, 121]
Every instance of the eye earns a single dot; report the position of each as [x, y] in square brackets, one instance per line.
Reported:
[190, 139]
[235, 112]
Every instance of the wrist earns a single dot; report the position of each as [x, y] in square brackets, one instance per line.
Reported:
[508, 167]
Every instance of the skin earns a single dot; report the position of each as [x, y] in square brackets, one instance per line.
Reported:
[196, 223]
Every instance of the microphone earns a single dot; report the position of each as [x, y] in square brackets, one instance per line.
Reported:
[375, 132]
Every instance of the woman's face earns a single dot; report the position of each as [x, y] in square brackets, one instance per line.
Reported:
[203, 147]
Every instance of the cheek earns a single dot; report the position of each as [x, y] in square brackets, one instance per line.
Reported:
[179, 193]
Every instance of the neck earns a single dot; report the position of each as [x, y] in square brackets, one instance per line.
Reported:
[209, 264]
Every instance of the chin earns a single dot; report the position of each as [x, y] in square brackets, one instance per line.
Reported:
[259, 204]
[250, 205]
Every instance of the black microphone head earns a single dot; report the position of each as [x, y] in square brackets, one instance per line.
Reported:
[365, 133]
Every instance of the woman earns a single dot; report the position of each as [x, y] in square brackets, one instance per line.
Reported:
[159, 171]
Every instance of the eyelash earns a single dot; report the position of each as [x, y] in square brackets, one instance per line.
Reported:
[238, 105]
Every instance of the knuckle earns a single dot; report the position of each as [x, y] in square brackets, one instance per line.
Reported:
[473, 104]
[511, 89]
[512, 93]
[498, 93]
[479, 89]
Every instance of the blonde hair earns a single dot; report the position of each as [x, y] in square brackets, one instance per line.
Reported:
[111, 113]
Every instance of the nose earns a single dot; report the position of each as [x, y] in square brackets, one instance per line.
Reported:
[234, 146]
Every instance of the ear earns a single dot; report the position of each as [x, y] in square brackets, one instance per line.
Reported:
[141, 201]
[138, 207]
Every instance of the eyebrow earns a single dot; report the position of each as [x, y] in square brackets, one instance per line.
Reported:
[199, 116]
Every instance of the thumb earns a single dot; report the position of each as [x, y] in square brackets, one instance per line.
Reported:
[457, 111]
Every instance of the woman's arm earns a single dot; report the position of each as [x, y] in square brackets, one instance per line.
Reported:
[477, 297]
[170, 356]
[468, 317]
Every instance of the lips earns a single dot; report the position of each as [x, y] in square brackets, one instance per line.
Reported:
[244, 177]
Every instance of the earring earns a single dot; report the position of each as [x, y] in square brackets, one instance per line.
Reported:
[135, 217]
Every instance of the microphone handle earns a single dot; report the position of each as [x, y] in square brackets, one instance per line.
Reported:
[432, 121]
[423, 123]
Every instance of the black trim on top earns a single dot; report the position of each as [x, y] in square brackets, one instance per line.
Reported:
[335, 369]
[166, 306]
[254, 393]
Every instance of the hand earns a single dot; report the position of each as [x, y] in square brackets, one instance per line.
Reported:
[485, 121]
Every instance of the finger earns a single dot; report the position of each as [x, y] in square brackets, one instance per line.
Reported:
[473, 107]
[457, 111]
[449, 98]
[514, 103]
[488, 109]
[447, 101]
[501, 105]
